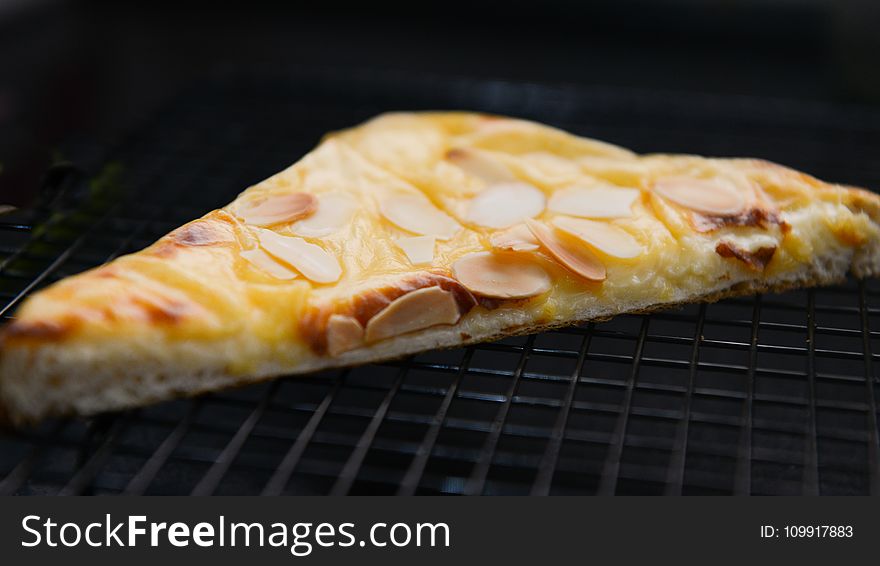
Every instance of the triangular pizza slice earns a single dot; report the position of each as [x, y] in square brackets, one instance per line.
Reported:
[417, 231]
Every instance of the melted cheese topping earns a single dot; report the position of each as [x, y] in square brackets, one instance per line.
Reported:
[196, 283]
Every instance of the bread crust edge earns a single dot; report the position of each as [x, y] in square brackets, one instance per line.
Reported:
[865, 262]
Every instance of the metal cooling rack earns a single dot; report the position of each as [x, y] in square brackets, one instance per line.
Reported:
[760, 395]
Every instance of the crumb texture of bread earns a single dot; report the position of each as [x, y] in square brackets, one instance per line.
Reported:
[378, 215]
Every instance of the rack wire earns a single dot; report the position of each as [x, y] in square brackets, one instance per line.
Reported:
[757, 395]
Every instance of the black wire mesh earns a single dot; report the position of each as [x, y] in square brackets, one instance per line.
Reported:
[760, 395]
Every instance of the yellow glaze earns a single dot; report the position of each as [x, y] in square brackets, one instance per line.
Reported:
[193, 284]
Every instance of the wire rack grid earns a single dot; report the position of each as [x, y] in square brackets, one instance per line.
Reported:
[758, 395]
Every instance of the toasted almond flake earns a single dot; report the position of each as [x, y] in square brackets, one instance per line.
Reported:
[501, 275]
[594, 202]
[415, 213]
[309, 259]
[344, 333]
[417, 310]
[277, 209]
[419, 249]
[606, 238]
[505, 204]
[517, 238]
[579, 260]
[334, 211]
[480, 164]
[263, 261]
[711, 196]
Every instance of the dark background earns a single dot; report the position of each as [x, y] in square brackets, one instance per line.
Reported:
[91, 71]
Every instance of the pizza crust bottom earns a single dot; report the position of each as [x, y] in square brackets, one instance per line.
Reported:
[86, 379]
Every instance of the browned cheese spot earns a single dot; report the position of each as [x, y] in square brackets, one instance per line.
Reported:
[38, 331]
[756, 216]
[164, 311]
[204, 232]
[755, 260]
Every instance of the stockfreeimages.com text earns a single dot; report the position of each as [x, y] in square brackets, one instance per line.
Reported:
[300, 538]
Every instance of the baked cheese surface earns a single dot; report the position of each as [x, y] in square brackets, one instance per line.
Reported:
[477, 226]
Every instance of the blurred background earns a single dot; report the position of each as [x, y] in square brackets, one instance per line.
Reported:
[94, 70]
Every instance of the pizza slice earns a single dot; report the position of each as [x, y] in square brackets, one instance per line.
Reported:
[420, 231]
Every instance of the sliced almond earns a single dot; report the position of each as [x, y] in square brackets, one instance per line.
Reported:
[415, 213]
[277, 209]
[505, 204]
[606, 238]
[334, 212]
[711, 196]
[418, 249]
[578, 259]
[501, 275]
[594, 202]
[264, 262]
[480, 164]
[417, 310]
[309, 259]
[344, 333]
[517, 238]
